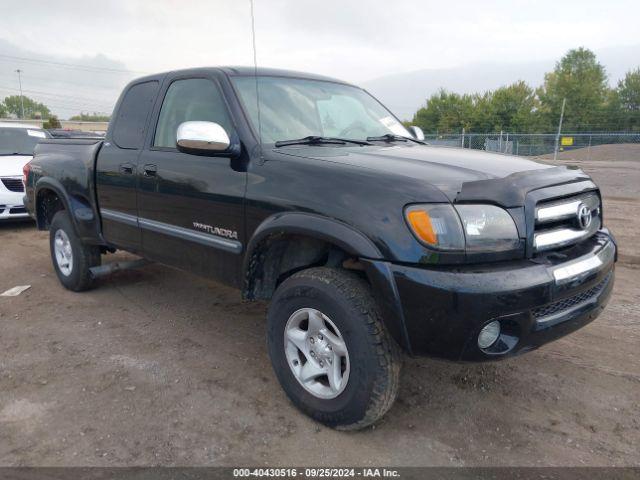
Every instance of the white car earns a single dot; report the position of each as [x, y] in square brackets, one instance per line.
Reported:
[17, 142]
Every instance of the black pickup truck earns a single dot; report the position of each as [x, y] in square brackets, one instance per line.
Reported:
[307, 192]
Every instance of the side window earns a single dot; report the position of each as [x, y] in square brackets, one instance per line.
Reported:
[132, 115]
[189, 100]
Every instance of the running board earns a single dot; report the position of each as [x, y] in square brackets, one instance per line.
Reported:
[109, 268]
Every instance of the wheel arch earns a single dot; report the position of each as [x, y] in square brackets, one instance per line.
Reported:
[289, 242]
[295, 225]
[51, 196]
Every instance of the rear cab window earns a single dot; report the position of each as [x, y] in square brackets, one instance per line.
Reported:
[132, 116]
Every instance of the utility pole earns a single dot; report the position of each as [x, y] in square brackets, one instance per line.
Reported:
[555, 150]
[19, 72]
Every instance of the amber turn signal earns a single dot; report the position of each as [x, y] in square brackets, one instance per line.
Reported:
[421, 224]
[435, 225]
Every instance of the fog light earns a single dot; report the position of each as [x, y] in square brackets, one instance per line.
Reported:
[489, 334]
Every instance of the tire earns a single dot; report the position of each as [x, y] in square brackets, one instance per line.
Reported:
[349, 313]
[72, 270]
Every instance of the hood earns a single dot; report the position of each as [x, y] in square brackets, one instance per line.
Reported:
[11, 165]
[443, 167]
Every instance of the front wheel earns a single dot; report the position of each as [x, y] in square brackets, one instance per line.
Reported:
[330, 349]
[71, 258]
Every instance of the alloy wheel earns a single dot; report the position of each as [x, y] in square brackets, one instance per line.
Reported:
[316, 353]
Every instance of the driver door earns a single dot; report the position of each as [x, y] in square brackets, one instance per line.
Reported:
[191, 206]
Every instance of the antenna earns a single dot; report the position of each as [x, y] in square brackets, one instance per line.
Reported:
[255, 74]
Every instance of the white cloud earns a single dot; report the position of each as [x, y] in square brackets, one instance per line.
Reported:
[355, 40]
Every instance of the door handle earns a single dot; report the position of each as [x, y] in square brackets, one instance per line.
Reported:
[126, 168]
[149, 170]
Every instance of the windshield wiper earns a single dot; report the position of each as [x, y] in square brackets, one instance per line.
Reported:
[317, 140]
[390, 137]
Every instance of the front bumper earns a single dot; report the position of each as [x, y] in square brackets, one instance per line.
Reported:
[12, 204]
[536, 301]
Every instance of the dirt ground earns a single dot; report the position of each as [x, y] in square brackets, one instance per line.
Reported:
[158, 367]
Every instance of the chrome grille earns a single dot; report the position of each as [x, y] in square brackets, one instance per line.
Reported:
[562, 222]
[13, 184]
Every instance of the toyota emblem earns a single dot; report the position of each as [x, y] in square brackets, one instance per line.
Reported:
[584, 216]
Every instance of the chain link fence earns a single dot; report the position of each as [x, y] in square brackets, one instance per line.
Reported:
[531, 144]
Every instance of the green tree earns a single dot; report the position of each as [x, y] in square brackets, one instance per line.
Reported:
[628, 95]
[513, 108]
[52, 122]
[32, 108]
[629, 90]
[445, 112]
[91, 117]
[483, 119]
[591, 105]
[3, 110]
[582, 81]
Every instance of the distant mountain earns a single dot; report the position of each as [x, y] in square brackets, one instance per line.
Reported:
[404, 93]
[94, 83]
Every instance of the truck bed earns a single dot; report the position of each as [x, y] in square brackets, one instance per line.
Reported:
[72, 161]
[66, 166]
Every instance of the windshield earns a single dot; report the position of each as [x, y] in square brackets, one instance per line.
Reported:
[292, 108]
[19, 141]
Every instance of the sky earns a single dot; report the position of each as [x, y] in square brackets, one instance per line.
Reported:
[357, 40]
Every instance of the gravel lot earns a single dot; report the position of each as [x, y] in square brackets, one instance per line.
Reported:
[158, 367]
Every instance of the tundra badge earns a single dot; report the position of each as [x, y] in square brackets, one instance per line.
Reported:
[220, 232]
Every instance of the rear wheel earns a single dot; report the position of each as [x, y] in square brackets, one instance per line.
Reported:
[71, 258]
[330, 350]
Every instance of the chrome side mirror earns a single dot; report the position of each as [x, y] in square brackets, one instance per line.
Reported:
[202, 137]
[417, 132]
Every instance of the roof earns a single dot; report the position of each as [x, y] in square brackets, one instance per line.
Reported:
[19, 125]
[276, 72]
[247, 71]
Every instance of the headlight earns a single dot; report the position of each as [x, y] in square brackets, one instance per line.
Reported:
[488, 228]
[474, 228]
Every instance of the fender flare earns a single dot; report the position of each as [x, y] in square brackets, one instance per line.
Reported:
[46, 183]
[348, 239]
[317, 226]
[83, 218]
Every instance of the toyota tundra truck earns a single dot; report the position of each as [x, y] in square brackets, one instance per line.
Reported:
[307, 192]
